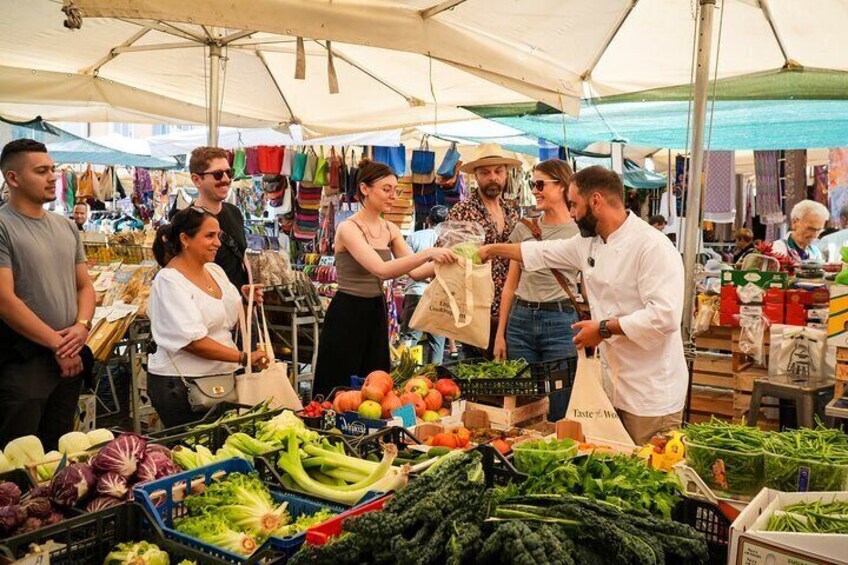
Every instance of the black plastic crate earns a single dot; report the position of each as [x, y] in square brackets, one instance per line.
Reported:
[21, 478]
[205, 432]
[536, 379]
[497, 468]
[708, 519]
[372, 444]
[80, 540]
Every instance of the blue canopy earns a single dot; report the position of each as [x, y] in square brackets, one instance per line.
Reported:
[66, 147]
[736, 125]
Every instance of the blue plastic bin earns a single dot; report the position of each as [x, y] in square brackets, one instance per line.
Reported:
[166, 509]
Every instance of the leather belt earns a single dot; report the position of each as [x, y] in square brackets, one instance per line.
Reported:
[556, 306]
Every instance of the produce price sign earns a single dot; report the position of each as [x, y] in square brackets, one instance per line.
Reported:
[758, 552]
[407, 414]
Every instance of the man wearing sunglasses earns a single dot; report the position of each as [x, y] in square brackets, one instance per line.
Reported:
[212, 175]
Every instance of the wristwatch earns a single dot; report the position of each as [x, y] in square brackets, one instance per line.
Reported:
[603, 330]
[86, 323]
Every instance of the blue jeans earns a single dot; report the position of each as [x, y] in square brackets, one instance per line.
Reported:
[541, 335]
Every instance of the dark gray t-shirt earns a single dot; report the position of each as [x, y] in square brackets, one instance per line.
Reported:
[542, 286]
[43, 254]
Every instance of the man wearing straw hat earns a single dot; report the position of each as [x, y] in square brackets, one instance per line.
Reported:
[486, 207]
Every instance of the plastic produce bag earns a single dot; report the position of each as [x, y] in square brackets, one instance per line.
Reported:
[452, 233]
[707, 311]
[800, 353]
[752, 329]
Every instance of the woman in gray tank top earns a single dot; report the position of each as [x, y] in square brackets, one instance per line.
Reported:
[369, 250]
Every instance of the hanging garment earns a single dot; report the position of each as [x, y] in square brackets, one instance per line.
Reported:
[286, 165]
[820, 184]
[270, 159]
[837, 180]
[251, 161]
[768, 187]
[239, 162]
[795, 174]
[720, 187]
[679, 186]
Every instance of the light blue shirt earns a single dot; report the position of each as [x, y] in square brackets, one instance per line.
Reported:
[419, 241]
[837, 239]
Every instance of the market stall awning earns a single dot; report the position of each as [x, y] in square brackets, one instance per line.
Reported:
[733, 125]
[65, 147]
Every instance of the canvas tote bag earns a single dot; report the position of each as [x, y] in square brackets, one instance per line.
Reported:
[456, 304]
[271, 382]
[590, 405]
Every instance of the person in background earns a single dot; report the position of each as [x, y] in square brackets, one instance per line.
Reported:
[212, 175]
[634, 282]
[420, 241]
[80, 215]
[830, 244]
[46, 302]
[808, 220]
[355, 336]
[744, 244]
[193, 310]
[658, 221]
[536, 312]
[487, 208]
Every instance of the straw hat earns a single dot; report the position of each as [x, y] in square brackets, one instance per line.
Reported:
[489, 154]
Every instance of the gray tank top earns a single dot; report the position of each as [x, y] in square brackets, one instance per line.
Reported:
[355, 279]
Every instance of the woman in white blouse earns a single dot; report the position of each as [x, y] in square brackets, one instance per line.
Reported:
[193, 310]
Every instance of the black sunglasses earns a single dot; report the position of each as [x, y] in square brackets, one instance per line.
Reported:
[540, 184]
[218, 175]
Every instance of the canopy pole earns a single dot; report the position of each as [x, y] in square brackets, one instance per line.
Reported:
[214, 94]
[694, 192]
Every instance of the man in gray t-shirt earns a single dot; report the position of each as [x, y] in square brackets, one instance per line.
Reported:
[46, 302]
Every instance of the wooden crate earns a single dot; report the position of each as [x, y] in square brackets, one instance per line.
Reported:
[713, 370]
[718, 338]
[741, 360]
[841, 372]
[510, 411]
[712, 401]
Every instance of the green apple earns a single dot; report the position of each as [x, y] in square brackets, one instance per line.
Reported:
[370, 409]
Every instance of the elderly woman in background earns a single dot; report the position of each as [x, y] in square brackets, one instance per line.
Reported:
[744, 244]
[808, 220]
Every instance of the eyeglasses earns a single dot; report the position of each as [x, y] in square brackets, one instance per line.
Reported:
[218, 175]
[539, 185]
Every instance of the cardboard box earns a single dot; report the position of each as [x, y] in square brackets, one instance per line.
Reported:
[728, 319]
[796, 315]
[819, 296]
[775, 296]
[750, 544]
[837, 322]
[728, 292]
[774, 312]
[762, 279]
[799, 296]
[730, 306]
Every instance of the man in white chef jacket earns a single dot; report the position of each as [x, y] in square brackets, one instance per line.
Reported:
[634, 283]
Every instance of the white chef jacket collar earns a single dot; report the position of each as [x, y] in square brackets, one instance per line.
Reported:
[619, 232]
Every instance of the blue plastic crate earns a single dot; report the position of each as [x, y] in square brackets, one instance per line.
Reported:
[167, 508]
[357, 382]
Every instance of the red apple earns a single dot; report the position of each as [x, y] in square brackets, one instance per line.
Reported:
[418, 386]
[390, 402]
[448, 389]
[373, 392]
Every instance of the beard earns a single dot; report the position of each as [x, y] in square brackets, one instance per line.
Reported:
[492, 189]
[588, 224]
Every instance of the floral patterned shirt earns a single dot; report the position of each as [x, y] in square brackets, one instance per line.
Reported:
[473, 210]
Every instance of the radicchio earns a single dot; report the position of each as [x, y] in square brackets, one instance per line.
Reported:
[112, 484]
[155, 465]
[72, 484]
[37, 507]
[160, 448]
[10, 518]
[121, 455]
[10, 493]
[100, 503]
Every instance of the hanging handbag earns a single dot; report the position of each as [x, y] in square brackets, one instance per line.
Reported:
[298, 166]
[423, 163]
[321, 176]
[394, 157]
[86, 184]
[286, 167]
[205, 392]
[448, 166]
[239, 164]
[311, 166]
[583, 313]
[334, 170]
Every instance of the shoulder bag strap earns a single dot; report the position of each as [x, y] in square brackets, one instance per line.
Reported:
[533, 226]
